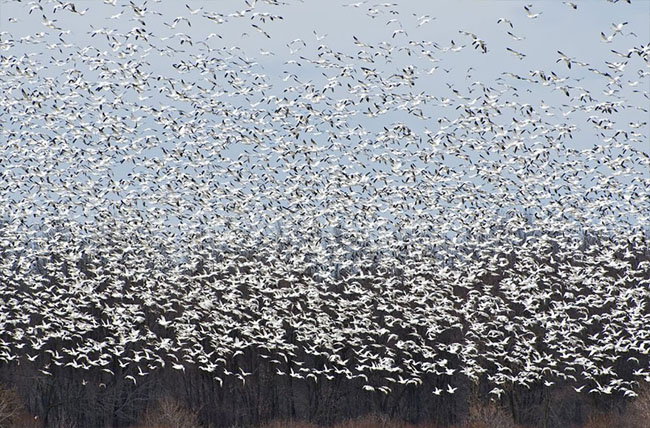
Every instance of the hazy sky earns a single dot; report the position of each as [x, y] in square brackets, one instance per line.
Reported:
[282, 42]
[575, 32]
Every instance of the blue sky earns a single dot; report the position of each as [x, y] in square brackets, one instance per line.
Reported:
[559, 27]
[279, 51]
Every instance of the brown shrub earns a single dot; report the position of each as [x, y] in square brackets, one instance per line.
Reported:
[169, 413]
[288, 424]
[638, 413]
[25, 420]
[11, 407]
[379, 421]
[487, 415]
[370, 421]
[602, 420]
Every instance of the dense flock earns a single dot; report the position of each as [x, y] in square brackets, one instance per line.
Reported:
[363, 209]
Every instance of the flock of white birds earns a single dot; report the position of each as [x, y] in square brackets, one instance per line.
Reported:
[169, 200]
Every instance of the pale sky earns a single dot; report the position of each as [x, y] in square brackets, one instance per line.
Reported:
[285, 52]
[559, 27]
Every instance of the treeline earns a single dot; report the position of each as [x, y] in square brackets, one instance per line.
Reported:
[71, 399]
[106, 356]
